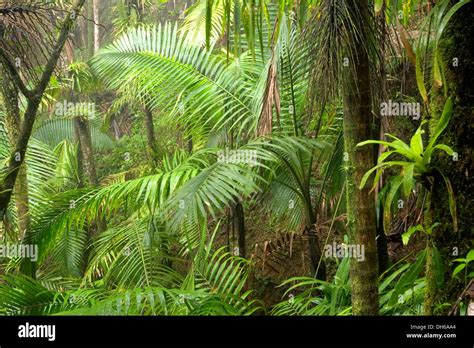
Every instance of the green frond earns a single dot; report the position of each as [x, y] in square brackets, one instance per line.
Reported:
[54, 131]
[165, 65]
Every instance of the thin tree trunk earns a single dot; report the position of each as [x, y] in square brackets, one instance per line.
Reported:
[80, 162]
[86, 158]
[430, 291]
[13, 124]
[361, 218]
[90, 29]
[95, 9]
[190, 144]
[117, 133]
[150, 135]
[33, 102]
[382, 245]
[239, 221]
[85, 144]
[318, 266]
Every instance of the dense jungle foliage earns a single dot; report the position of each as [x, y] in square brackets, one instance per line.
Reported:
[244, 157]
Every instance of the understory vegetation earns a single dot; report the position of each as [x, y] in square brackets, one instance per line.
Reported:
[236, 157]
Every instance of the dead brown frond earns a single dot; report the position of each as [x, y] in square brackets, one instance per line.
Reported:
[271, 100]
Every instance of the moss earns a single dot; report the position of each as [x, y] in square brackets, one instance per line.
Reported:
[456, 43]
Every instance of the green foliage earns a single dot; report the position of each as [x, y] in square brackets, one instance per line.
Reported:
[400, 290]
[54, 131]
[416, 166]
[317, 297]
[237, 76]
[214, 285]
[464, 265]
[436, 21]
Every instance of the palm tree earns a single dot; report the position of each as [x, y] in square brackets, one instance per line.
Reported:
[204, 289]
[213, 99]
[342, 57]
[207, 186]
[357, 126]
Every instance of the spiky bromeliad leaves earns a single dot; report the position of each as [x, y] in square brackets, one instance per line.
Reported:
[417, 165]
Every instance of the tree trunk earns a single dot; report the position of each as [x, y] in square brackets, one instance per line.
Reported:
[430, 290]
[80, 162]
[380, 124]
[22, 201]
[150, 135]
[85, 145]
[382, 245]
[361, 218]
[318, 266]
[95, 9]
[86, 158]
[84, 30]
[90, 29]
[457, 54]
[13, 124]
[117, 132]
[33, 102]
[190, 144]
[17, 157]
[239, 222]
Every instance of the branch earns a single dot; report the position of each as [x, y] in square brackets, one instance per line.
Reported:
[52, 61]
[8, 64]
[6, 187]
[461, 297]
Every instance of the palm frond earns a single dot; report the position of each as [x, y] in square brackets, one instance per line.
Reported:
[166, 65]
[52, 132]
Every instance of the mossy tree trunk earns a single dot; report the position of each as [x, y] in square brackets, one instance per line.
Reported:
[457, 54]
[361, 217]
[33, 102]
[13, 124]
[87, 152]
[150, 135]
[430, 290]
[95, 10]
